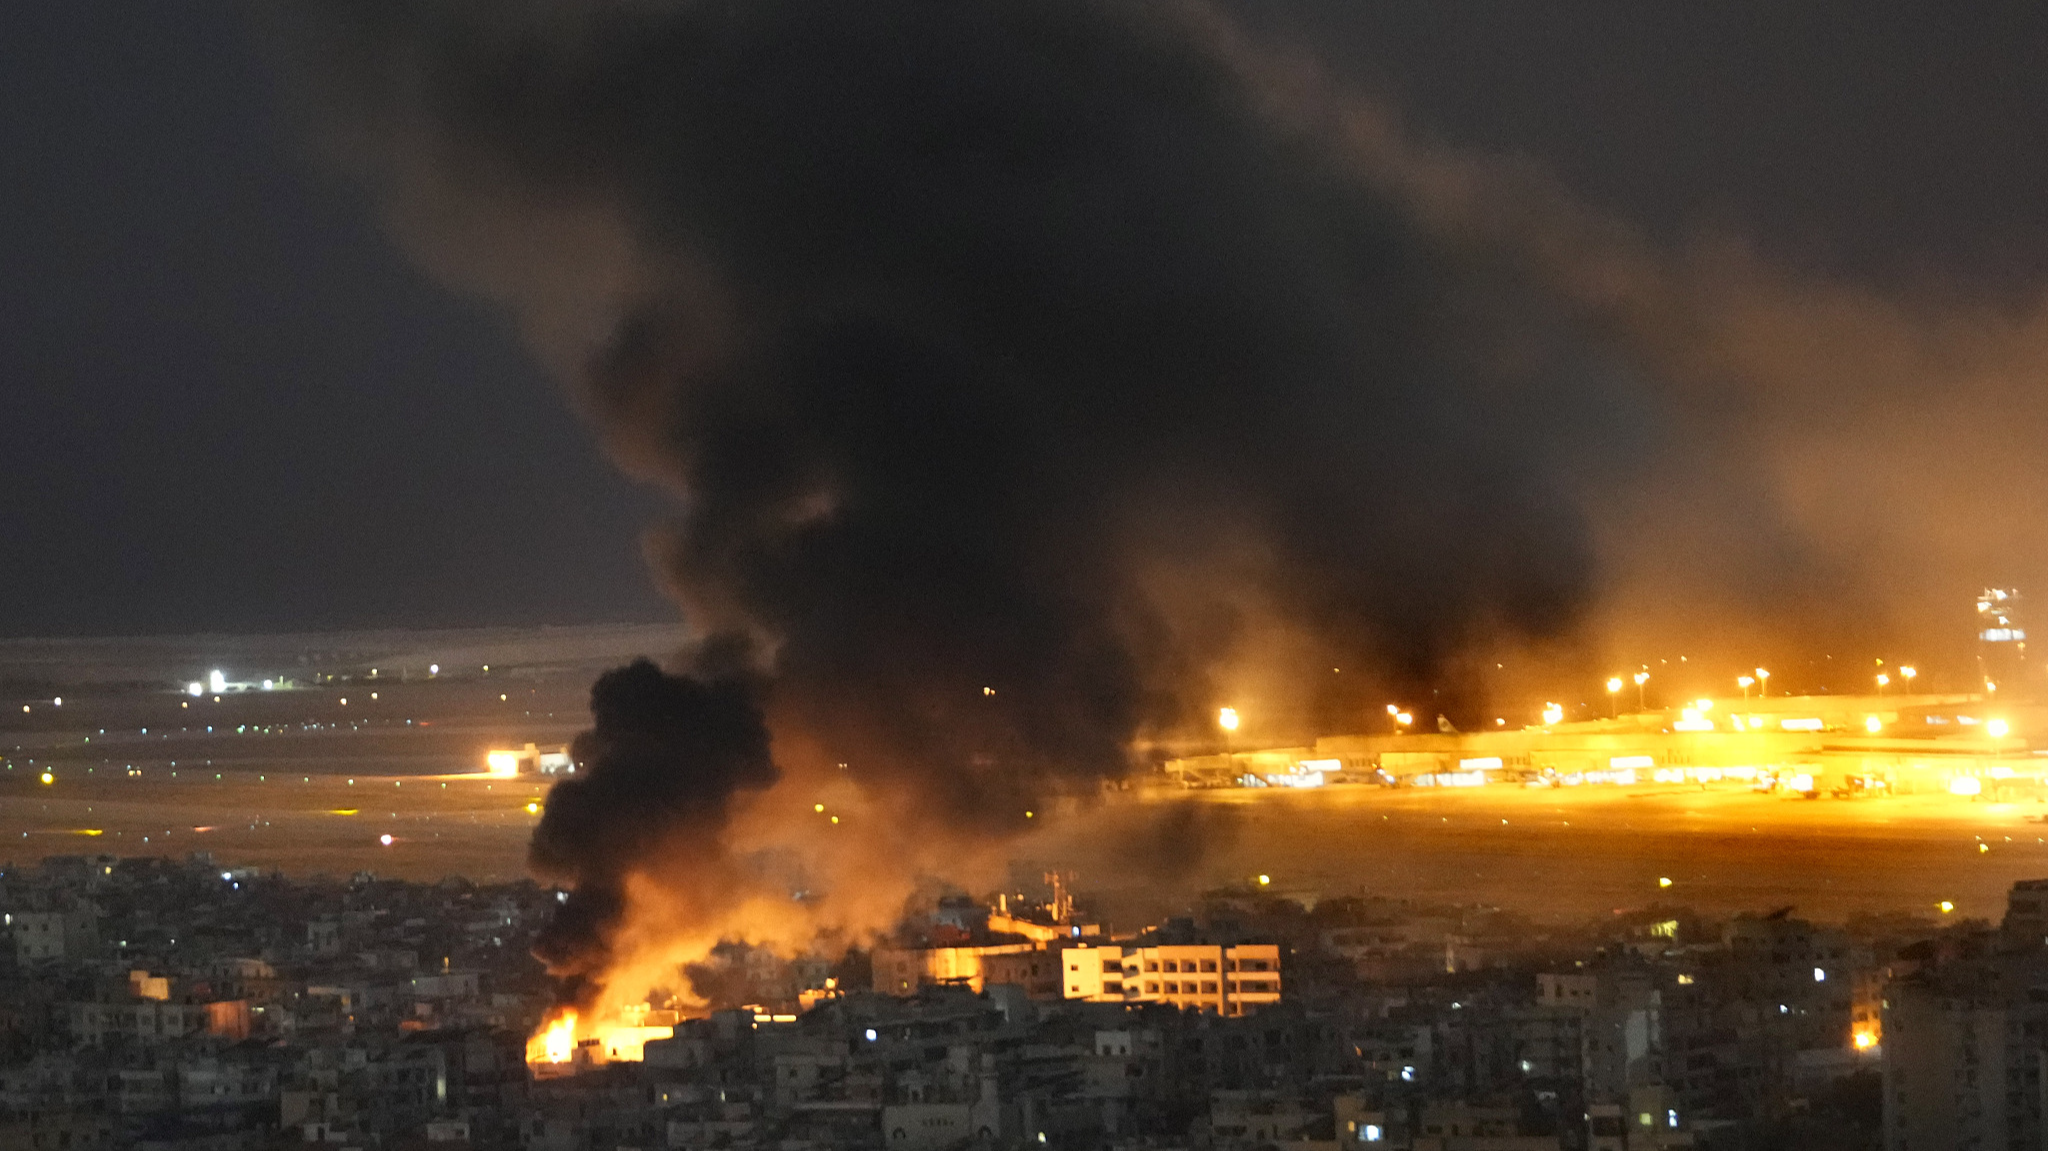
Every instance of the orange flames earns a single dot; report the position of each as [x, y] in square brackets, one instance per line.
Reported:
[555, 1043]
[561, 1041]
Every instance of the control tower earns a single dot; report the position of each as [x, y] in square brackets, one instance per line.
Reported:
[2002, 642]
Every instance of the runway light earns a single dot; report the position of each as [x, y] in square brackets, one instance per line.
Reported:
[533, 808]
[195, 688]
[385, 839]
[1265, 879]
[48, 778]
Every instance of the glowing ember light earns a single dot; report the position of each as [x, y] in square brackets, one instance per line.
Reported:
[1996, 728]
[1226, 719]
[1864, 1041]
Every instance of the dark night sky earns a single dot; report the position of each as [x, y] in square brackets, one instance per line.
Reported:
[229, 402]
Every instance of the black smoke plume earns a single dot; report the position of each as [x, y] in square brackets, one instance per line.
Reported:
[663, 756]
[1026, 391]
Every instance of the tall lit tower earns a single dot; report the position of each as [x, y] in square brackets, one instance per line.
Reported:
[2001, 641]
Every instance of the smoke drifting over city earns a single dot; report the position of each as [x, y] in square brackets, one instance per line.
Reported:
[1032, 379]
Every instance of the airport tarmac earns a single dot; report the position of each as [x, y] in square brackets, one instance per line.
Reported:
[314, 778]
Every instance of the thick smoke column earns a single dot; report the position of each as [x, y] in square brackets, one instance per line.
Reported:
[661, 760]
[1025, 389]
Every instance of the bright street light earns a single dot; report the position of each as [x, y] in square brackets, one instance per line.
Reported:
[1552, 712]
[1763, 676]
[1640, 678]
[1227, 719]
[1746, 682]
[1613, 686]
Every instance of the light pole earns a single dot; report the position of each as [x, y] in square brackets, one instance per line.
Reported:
[1641, 677]
[1908, 671]
[1745, 681]
[1763, 678]
[1883, 679]
[1613, 705]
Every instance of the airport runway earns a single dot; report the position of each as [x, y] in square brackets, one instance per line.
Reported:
[1551, 854]
[1571, 853]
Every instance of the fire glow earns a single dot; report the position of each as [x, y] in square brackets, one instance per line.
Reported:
[557, 1046]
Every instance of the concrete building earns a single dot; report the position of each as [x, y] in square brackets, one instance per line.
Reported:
[902, 971]
[1966, 1038]
[1975, 745]
[43, 936]
[1225, 979]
